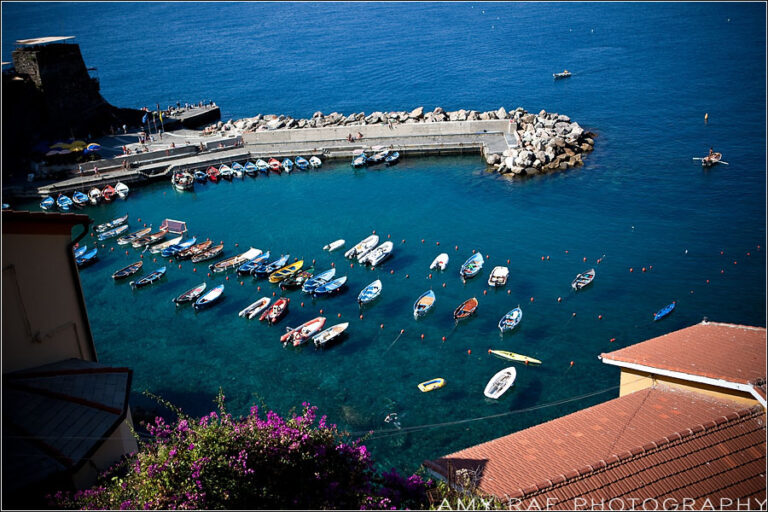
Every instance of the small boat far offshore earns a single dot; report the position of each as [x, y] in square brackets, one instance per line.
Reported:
[583, 279]
[666, 310]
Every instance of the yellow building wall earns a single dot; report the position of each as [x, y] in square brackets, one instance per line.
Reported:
[633, 380]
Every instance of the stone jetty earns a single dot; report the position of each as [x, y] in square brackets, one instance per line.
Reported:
[544, 142]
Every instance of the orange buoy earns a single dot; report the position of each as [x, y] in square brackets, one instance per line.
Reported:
[422, 240]
[599, 317]
[92, 234]
[473, 251]
[430, 276]
[585, 259]
[241, 283]
[721, 252]
[735, 262]
[509, 292]
[339, 315]
[351, 265]
[722, 271]
[443, 338]
[456, 247]
[237, 244]
[389, 236]
[526, 362]
[313, 262]
[321, 311]
[179, 266]
[258, 288]
[650, 267]
[443, 285]
[403, 241]
[566, 251]
[374, 231]
[361, 317]
[391, 271]
[141, 256]
[402, 331]
[748, 254]
[542, 258]
[422, 336]
[531, 299]
[333, 264]
[437, 243]
[302, 304]
[194, 270]
[485, 292]
[126, 253]
[381, 326]
[507, 262]
[631, 269]
[571, 363]
[138, 220]
[111, 249]
[612, 340]
[469, 352]
[154, 260]
[707, 281]
[574, 314]
[221, 241]
[489, 351]
[643, 269]
[407, 276]
[227, 278]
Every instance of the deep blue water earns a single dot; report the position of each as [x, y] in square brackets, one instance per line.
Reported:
[644, 75]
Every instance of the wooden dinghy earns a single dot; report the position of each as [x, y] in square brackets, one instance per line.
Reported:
[127, 271]
[666, 310]
[190, 295]
[330, 335]
[466, 309]
[234, 261]
[500, 383]
[149, 279]
[149, 239]
[127, 239]
[583, 279]
[423, 304]
[159, 247]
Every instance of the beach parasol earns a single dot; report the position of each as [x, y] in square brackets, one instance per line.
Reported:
[93, 147]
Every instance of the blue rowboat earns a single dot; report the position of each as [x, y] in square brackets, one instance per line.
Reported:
[111, 224]
[262, 166]
[209, 298]
[250, 168]
[47, 203]
[392, 158]
[175, 249]
[511, 319]
[80, 251]
[113, 232]
[264, 269]
[320, 279]
[238, 169]
[79, 199]
[331, 287]
[87, 258]
[149, 279]
[423, 304]
[370, 292]
[201, 176]
[248, 267]
[472, 266]
[127, 271]
[378, 157]
[360, 160]
[226, 172]
[287, 165]
[301, 163]
[64, 203]
[666, 310]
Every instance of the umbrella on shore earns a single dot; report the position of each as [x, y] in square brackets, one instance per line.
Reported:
[93, 147]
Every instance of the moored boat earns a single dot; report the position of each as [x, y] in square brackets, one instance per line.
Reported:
[287, 271]
[249, 266]
[378, 254]
[149, 278]
[510, 320]
[149, 239]
[209, 298]
[200, 176]
[274, 313]
[159, 247]
[267, 267]
[303, 332]
[274, 165]
[297, 279]
[333, 245]
[320, 279]
[226, 172]
[87, 258]
[583, 279]
[108, 193]
[213, 174]
[208, 254]
[94, 196]
[466, 309]
[498, 276]
[330, 335]
[360, 160]
[80, 251]
[126, 239]
[369, 293]
[234, 261]
[47, 203]
[194, 250]
[250, 168]
[440, 262]
[431, 385]
[330, 287]
[111, 233]
[392, 158]
[122, 190]
[710, 160]
[287, 164]
[174, 249]
[315, 162]
[423, 304]
[255, 308]
[238, 169]
[111, 224]
[500, 383]
[379, 156]
[190, 295]
[262, 166]
[362, 248]
[64, 203]
[564, 74]
[301, 163]
[183, 181]
[472, 266]
[128, 271]
[511, 356]
[79, 199]
[666, 310]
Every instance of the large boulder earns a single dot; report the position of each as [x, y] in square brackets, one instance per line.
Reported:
[453, 116]
[501, 113]
[509, 162]
[438, 110]
[291, 123]
[542, 113]
[417, 113]
[461, 115]
[542, 157]
[493, 159]
[527, 118]
[483, 116]
[275, 124]
[564, 118]
[524, 158]
[472, 116]
[531, 171]
[317, 114]
[302, 123]
[559, 142]
[562, 128]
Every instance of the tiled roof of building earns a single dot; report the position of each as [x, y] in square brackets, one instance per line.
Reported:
[734, 353]
[55, 416]
[654, 443]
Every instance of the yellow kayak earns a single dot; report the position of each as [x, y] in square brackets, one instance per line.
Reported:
[288, 270]
[514, 357]
[431, 385]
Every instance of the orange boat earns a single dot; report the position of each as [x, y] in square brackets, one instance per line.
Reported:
[108, 193]
[278, 309]
[466, 309]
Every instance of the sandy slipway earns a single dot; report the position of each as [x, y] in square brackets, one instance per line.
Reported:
[537, 143]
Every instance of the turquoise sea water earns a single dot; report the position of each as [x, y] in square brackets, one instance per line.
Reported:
[642, 81]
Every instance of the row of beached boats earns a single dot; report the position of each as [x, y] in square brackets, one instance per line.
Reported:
[185, 180]
[80, 199]
[377, 155]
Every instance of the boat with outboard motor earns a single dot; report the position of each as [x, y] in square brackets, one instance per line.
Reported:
[500, 383]
[320, 279]
[362, 248]
[128, 271]
[297, 336]
[423, 304]
[190, 295]
[330, 335]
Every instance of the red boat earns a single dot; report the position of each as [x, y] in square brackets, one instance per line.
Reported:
[213, 174]
[108, 193]
[274, 165]
[303, 332]
[276, 312]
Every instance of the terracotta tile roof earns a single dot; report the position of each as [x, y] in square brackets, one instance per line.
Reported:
[657, 442]
[735, 353]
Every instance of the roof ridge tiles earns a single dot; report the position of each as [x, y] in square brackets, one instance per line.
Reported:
[614, 459]
[737, 326]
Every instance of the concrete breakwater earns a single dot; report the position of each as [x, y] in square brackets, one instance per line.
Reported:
[537, 143]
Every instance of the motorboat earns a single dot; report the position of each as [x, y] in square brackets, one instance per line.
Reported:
[440, 262]
[274, 313]
[297, 336]
[330, 335]
[378, 255]
[362, 248]
[255, 308]
[498, 276]
[183, 181]
[564, 74]
[333, 245]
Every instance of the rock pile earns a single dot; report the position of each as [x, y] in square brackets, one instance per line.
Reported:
[546, 141]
